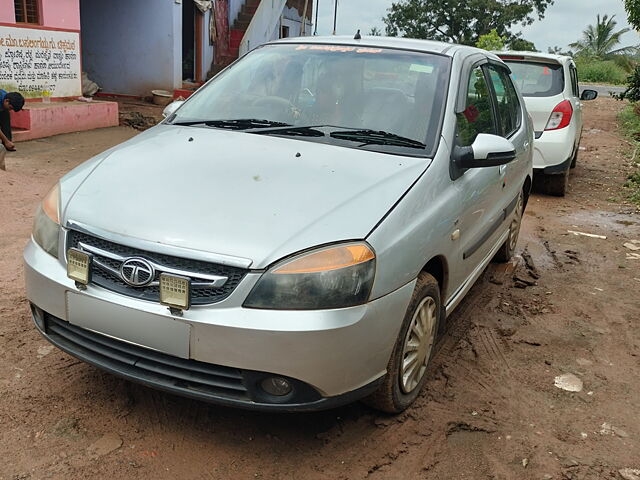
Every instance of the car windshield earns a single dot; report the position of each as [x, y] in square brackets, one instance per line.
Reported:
[362, 97]
[537, 79]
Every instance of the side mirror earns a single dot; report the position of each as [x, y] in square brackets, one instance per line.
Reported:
[171, 108]
[487, 151]
[589, 95]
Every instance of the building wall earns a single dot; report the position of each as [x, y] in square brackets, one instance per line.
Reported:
[292, 18]
[299, 6]
[132, 47]
[54, 13]
[7, 11]
[60, 14]
[234, 9]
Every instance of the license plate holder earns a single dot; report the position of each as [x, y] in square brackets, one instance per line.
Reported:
[142, 328]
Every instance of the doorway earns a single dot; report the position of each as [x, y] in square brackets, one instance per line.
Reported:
[188, 40]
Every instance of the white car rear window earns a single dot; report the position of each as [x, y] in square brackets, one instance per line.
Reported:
[537, 79]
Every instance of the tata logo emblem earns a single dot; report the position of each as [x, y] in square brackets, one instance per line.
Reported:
[137, 272]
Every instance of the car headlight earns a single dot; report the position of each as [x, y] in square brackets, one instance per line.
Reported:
[337, 276]
[46, 225]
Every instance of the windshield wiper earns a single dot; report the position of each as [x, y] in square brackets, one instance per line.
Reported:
[291, 131]
[376, 137]
[235, 124]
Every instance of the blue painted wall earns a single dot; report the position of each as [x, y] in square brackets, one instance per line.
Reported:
[132, 46]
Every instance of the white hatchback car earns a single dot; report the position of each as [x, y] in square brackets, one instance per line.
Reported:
[549, 85]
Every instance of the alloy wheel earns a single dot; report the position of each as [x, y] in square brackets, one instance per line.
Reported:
[514, 229]
[418, 344]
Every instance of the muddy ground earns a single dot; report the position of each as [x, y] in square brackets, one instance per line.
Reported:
[490, 410]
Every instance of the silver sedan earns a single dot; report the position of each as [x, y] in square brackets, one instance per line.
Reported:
[295, 234]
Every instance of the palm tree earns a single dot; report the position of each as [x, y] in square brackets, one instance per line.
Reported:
[600, 40]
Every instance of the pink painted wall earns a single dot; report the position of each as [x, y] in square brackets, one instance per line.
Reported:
[7, 11]
[54, 13]
[60, 13]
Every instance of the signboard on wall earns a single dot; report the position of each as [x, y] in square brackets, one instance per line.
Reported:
[40, 63]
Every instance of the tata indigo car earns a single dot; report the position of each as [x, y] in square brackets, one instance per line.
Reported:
[294, 235]
[549, 84]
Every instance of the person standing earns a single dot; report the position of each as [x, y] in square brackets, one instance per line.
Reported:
[8, 101]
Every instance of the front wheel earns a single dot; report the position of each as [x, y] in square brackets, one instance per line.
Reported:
[407, 368]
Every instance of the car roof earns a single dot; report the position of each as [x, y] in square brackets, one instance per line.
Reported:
[535, 56]
[427, 46]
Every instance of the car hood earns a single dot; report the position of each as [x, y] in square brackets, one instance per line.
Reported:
[236, 194]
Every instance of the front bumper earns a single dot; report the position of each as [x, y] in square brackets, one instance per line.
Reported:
[331, 356]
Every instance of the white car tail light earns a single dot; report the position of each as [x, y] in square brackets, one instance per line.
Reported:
[561, 116]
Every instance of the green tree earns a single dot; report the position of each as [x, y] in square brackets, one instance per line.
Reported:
[522, 45]
[490, 41]
[599, 40]
[633, 12]
[460, 21]
[375, 32]
[559, 51]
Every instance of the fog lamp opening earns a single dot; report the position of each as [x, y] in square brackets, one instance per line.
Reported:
[276, 386]
[175, 291]
[79, 266]
[38, 316]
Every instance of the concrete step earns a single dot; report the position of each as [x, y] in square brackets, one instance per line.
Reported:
[244, 17]
[235, 37]
[241, 25]
[20, 134]
[39, 120]
[249, 10]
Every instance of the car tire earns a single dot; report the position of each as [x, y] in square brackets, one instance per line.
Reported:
[508, 248]
[557, 185]
[408, 365]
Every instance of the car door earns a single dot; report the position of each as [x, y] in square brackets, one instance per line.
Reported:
[509, 113]
[576, 103]
[476, 187]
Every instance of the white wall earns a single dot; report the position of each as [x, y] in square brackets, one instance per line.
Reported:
[292, 19]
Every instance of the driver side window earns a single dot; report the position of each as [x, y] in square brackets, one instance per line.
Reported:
[478, 116]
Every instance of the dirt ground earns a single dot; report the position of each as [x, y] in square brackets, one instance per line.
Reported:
[490, 410]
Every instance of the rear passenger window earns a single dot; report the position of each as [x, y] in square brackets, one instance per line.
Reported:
[478, 116]
[508, 105]
[574, 81]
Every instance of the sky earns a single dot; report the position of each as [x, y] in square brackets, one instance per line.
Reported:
[562, 24]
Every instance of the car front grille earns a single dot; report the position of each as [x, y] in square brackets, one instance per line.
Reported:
[188, 377]
[105, 272]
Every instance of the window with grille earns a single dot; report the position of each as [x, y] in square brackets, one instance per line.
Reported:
[27, 11]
